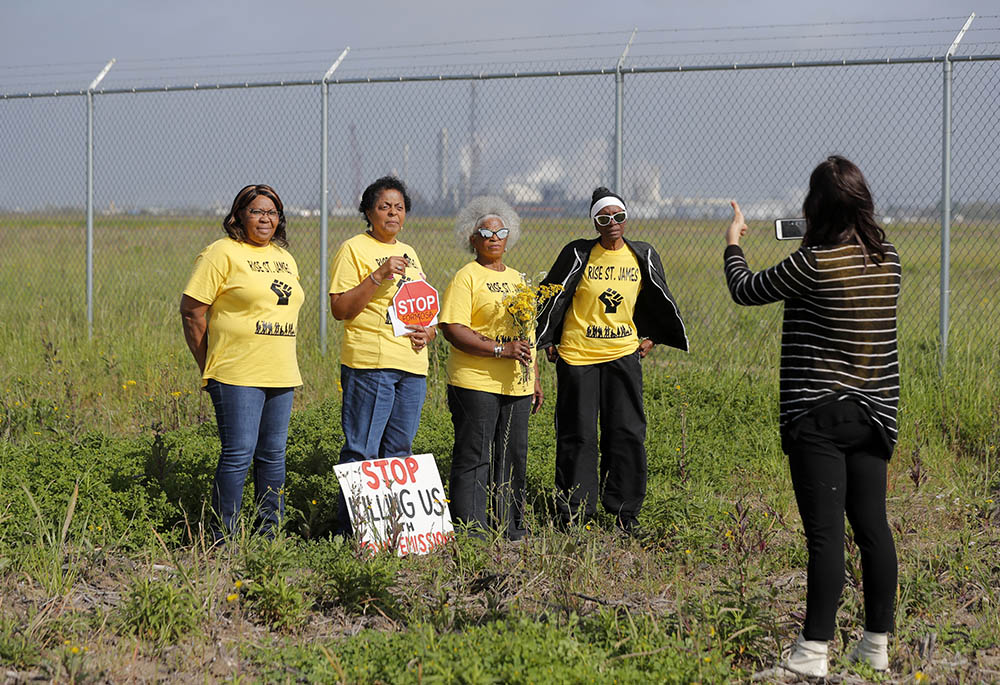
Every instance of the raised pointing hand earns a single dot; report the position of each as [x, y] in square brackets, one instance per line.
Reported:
[738, 228]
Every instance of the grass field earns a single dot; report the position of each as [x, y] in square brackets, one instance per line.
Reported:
[108, 449]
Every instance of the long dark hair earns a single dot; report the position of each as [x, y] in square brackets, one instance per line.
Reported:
[839, 208]
[233, 225]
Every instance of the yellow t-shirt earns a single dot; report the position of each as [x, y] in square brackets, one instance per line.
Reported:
[598, 327]
[474, 298]
[368, 339]
[254, 297]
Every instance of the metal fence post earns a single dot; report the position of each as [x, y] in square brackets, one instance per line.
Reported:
[619, 115]
[323, 200]
[90, 197]
[946, 198]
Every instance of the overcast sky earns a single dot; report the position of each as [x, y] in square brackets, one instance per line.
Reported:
[192, 149]
[61, 32]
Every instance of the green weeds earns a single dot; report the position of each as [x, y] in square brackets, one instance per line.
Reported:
[17, 647]
[271, 585]
[107, 451]
[161, 611]
[353, 579]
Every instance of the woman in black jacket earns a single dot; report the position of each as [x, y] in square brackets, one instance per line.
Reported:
[614, 306]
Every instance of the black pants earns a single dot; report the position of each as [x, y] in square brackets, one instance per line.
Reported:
[489, 459]
[613, 392]
[838, 464]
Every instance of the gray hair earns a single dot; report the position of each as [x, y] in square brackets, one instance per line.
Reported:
[479, 209]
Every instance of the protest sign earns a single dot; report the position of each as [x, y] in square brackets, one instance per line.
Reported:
[397, 503]
[416, 303]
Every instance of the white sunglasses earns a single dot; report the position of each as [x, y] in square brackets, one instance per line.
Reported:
[606, 219]
[500, 233]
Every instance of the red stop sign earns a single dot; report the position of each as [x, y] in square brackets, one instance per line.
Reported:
[416, 303]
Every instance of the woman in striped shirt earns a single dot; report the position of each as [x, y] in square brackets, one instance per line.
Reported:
[839, 392]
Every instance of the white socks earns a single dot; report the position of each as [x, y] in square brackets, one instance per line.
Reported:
[873, 649]
[808, 658]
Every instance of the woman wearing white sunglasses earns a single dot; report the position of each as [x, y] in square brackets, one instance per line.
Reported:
[614, 306]
[489, 395]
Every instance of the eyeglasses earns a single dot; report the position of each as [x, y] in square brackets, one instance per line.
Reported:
[500, 233]
[606, 219]
[269, 213]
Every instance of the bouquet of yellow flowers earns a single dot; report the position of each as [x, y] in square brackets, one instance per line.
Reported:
[522, 305]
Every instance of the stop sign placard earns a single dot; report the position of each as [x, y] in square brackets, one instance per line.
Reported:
[416, 303]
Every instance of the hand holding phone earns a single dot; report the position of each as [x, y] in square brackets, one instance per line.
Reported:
[789, 229]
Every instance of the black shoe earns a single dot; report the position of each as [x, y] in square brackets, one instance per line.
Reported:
[632, 528]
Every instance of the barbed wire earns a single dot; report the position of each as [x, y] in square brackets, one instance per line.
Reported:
[385, 59]
[624, 32]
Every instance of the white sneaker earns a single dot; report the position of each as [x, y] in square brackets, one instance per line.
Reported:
[872, 650]
[808, 658]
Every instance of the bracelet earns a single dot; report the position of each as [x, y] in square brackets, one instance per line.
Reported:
[497, 349]
[372, 276]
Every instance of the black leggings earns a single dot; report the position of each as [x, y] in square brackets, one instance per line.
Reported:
[838, 464]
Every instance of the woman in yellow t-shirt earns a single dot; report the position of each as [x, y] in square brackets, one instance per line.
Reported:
[384, 377]
[248, 286]
[613, 307]
[489, 393]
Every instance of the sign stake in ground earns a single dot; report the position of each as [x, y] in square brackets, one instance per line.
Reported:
[416, 303]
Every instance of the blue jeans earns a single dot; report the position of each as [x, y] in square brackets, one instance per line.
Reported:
[253, 428]
[380, 414]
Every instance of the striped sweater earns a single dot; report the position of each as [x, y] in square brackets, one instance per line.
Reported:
[838, 338]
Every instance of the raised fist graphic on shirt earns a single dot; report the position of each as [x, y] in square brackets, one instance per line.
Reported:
[611, 299]
[282, 290]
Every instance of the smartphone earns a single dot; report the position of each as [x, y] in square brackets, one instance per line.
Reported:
[789, 229]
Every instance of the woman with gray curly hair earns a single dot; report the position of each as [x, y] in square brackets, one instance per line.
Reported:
[489, 394]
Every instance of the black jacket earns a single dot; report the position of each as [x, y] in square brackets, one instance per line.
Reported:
[656, 315]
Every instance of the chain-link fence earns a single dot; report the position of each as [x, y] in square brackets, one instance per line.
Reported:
[167, 165]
